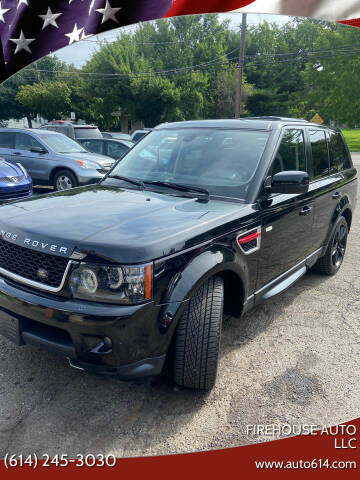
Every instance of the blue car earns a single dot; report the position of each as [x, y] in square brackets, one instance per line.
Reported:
[15, 182]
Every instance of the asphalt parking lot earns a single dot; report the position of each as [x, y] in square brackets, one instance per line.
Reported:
[294, 359]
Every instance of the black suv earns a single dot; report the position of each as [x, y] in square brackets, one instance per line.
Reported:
[199, 218]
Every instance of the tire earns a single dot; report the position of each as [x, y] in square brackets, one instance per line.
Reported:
[331, 262]
[64, 180]
[197, 341]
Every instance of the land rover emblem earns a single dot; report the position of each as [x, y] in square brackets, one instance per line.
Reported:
[42, 273]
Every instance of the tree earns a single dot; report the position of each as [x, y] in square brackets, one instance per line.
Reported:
[10, 107]
[50, 99]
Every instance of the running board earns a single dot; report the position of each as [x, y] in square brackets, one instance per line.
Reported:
[282, 286]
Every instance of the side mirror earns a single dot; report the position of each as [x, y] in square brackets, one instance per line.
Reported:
[290, 182]
[38, 150]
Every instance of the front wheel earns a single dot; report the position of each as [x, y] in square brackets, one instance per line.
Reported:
[64, 180]
[198, 335]
[331, 262]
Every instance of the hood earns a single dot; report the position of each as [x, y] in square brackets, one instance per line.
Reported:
[9, 169]
[117, 224]
[94, 157]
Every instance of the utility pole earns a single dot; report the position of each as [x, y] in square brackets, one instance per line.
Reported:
[239, 88]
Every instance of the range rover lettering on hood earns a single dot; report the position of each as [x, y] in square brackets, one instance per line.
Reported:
[44, 246]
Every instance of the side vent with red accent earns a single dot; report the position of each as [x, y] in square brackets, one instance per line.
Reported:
[250, 240]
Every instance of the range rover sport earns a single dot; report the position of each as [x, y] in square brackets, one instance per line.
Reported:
[199, 218]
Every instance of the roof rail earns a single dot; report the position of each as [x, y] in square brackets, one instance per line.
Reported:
[276, 119]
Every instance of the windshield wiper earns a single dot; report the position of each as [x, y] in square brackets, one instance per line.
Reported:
[181, 187]
[138, 183]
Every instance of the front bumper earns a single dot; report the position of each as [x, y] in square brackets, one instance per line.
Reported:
[118, 340]
[87, 176]
[15, 196]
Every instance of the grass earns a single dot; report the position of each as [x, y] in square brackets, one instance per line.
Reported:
[352, 138]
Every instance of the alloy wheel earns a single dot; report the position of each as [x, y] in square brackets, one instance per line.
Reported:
[339, 246]
[64, 183]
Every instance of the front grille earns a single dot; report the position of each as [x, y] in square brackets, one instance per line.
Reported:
[16, 194]
[26, 263]
[18, 179]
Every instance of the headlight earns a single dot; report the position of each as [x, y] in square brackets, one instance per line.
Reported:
[88, 164]
[112, 284]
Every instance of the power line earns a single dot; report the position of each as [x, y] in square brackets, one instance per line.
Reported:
[224, 60]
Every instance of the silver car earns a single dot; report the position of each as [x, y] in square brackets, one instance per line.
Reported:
[52, 158]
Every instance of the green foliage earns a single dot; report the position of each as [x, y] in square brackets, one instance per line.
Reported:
[168, 45]
[332, 82]
[50, 99]
[122, 77]
[352, 138]
[10, 107]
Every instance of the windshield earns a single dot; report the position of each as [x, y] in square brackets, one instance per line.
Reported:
[62, 144]
[222, 161]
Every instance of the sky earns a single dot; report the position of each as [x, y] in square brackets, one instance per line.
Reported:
[79, 53]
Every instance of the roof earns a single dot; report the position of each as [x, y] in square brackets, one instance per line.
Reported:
[258, 123]
[37, 131]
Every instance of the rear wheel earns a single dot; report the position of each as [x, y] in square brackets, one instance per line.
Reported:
[64, 180]
[331, 262]
[198, 333]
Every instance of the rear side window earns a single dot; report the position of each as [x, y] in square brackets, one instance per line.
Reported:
[291, 153]
[94, 146]
[320, 155]
[116, 150]
[6, 140]
[339, 156]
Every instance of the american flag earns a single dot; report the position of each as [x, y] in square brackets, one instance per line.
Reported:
[31, 29]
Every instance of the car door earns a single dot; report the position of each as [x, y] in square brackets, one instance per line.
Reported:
[327, 179]
[287, 220]
[34, 162]
[114, 149]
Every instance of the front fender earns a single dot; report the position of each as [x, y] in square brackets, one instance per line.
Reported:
[218, 259]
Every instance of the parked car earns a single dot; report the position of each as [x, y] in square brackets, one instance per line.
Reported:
[117, 135]
[52, 158]
[139, 134]
[112, 148]
[73, 130]
[15, 182]
[142, 266]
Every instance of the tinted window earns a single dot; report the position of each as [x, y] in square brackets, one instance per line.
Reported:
[116, 150]
[87, 132]
[291, 153]
[6, 140]
[25, 142]
[93, 145]
[138, 136]
[339, 156]
[221, 160]
[320, 154]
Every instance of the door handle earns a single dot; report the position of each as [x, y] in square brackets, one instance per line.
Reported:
[16, 153]
[336, 195]
[305, 211]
